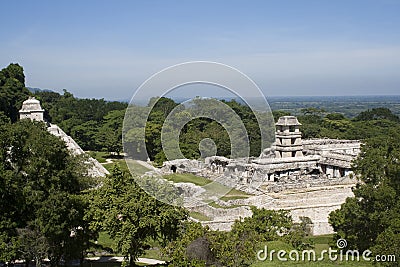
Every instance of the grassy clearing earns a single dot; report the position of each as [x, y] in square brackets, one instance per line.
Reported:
[105, 240]
[120, 162]
[235, 192]
[106, 243]
[321, 243]
[215, 205]
[215, 189]
[154, 253]
[187, 178]
[322, 239]
[100, 156]
[324, 263]
[199, 216]
[227, 198]
[136, 167]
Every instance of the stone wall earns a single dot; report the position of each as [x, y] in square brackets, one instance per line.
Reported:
[315, 203]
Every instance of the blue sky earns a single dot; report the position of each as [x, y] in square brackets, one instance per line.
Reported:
[108, 48]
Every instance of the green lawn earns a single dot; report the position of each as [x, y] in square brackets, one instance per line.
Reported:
[228, 197]
[321, 243]
[215, 205]
[312, 264]
[99, 155]
[120, 162]
[136, 167]
[154, 253]
[187, 178]
[199, 216]
[105, 243]
[223, 192]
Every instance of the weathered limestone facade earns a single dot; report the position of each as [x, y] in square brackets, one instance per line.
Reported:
[314, 203]
[32, 110]
[289, 159]
[288, 138]
[319, 168]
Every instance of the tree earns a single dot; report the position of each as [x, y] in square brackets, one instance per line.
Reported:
[377, 114]
[163, 105]
[12, 90]
[235, 248]
[335, 116]
[134, 218]
[183, 252]
[279, 113]
[109, 135]
[86, 135]
[32, 245]
[40, 183]
[371, 218]
[86, 120]
[199, 246]
[269, 224]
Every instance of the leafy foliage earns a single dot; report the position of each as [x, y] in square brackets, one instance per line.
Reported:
[199, 128]
[95, 124]
[12, 90]
[371, 218]
[131, 216]
[39, 188]
[199, 246]
[377, 114]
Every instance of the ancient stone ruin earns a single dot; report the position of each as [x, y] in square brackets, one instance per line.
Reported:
[289, 160]
[32, 110]
[280, 178]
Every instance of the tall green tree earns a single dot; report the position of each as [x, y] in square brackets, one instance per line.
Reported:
[40, 185]
[200, 246]
[131, 216]
[109, 134]
[12, 90]
[371, 218]
[377, 114]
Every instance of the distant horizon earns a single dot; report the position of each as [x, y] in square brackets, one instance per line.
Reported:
[348, 105]
[225, 97]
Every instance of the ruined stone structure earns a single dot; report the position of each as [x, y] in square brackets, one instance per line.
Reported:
[321, 168]
[32, 110]
[289, 159]
[288, 138]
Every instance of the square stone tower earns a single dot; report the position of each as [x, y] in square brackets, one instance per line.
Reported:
[288, 138]
[31, 109]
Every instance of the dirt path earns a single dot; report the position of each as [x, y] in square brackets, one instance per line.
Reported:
[120, 259]
[108, 161]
